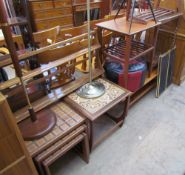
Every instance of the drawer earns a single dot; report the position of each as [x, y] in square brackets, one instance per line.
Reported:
[62, 3]
[41, 5]
[80, 8]
[49, 23]
[53, 12]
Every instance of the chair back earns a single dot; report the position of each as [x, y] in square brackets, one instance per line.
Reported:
[58, 53]
[46, 37]
[71, 32]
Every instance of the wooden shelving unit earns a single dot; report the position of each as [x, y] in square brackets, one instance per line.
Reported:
[128, 49]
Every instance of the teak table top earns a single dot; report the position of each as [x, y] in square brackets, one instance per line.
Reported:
[94, 108]
[122, 26]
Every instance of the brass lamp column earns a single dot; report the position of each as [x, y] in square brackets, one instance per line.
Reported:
[93, 89]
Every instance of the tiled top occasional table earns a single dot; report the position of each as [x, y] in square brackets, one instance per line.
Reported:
[98, 108]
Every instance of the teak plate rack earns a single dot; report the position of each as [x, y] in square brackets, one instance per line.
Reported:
[60, 92]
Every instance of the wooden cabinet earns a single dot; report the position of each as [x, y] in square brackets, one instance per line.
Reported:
[14, 158]
[50, 13]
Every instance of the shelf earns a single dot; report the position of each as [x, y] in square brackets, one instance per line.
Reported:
[118, 51]
[56, 94]
[152, 76]
[5, 60]
[17, 21]
[142, 91]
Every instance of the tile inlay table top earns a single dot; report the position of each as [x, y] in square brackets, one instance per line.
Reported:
[95, 105]
[92, 109]
[67, 120]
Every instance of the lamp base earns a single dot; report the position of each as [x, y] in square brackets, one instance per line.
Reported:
[45, 122]
[91, 90]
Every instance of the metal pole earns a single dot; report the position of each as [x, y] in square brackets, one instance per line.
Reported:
[89, 41]
[93, 89]
[119, 9]
[132, 14]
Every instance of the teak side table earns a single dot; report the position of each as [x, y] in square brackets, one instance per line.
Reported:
[94, 109]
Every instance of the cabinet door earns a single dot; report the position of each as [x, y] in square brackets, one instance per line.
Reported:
[14, 158]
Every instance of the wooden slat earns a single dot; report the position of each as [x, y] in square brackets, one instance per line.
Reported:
[12, 164]
[27, 54]
[58, 62]
[118, 51]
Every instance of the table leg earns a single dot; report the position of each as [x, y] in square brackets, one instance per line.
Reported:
[125, 111]
[126, 106]
[85, 148]
[91, 136]
[128, 49]
[154, 43]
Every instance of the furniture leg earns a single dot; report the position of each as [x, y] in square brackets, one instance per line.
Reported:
[127, 56]
[154, 43]
[84, 63]
[119, 9]
[100, 39]
[47, 170]
[125, 111]
[85, 148]
[126, 107]
[91, 139]
[133, 8]
[151, 8]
